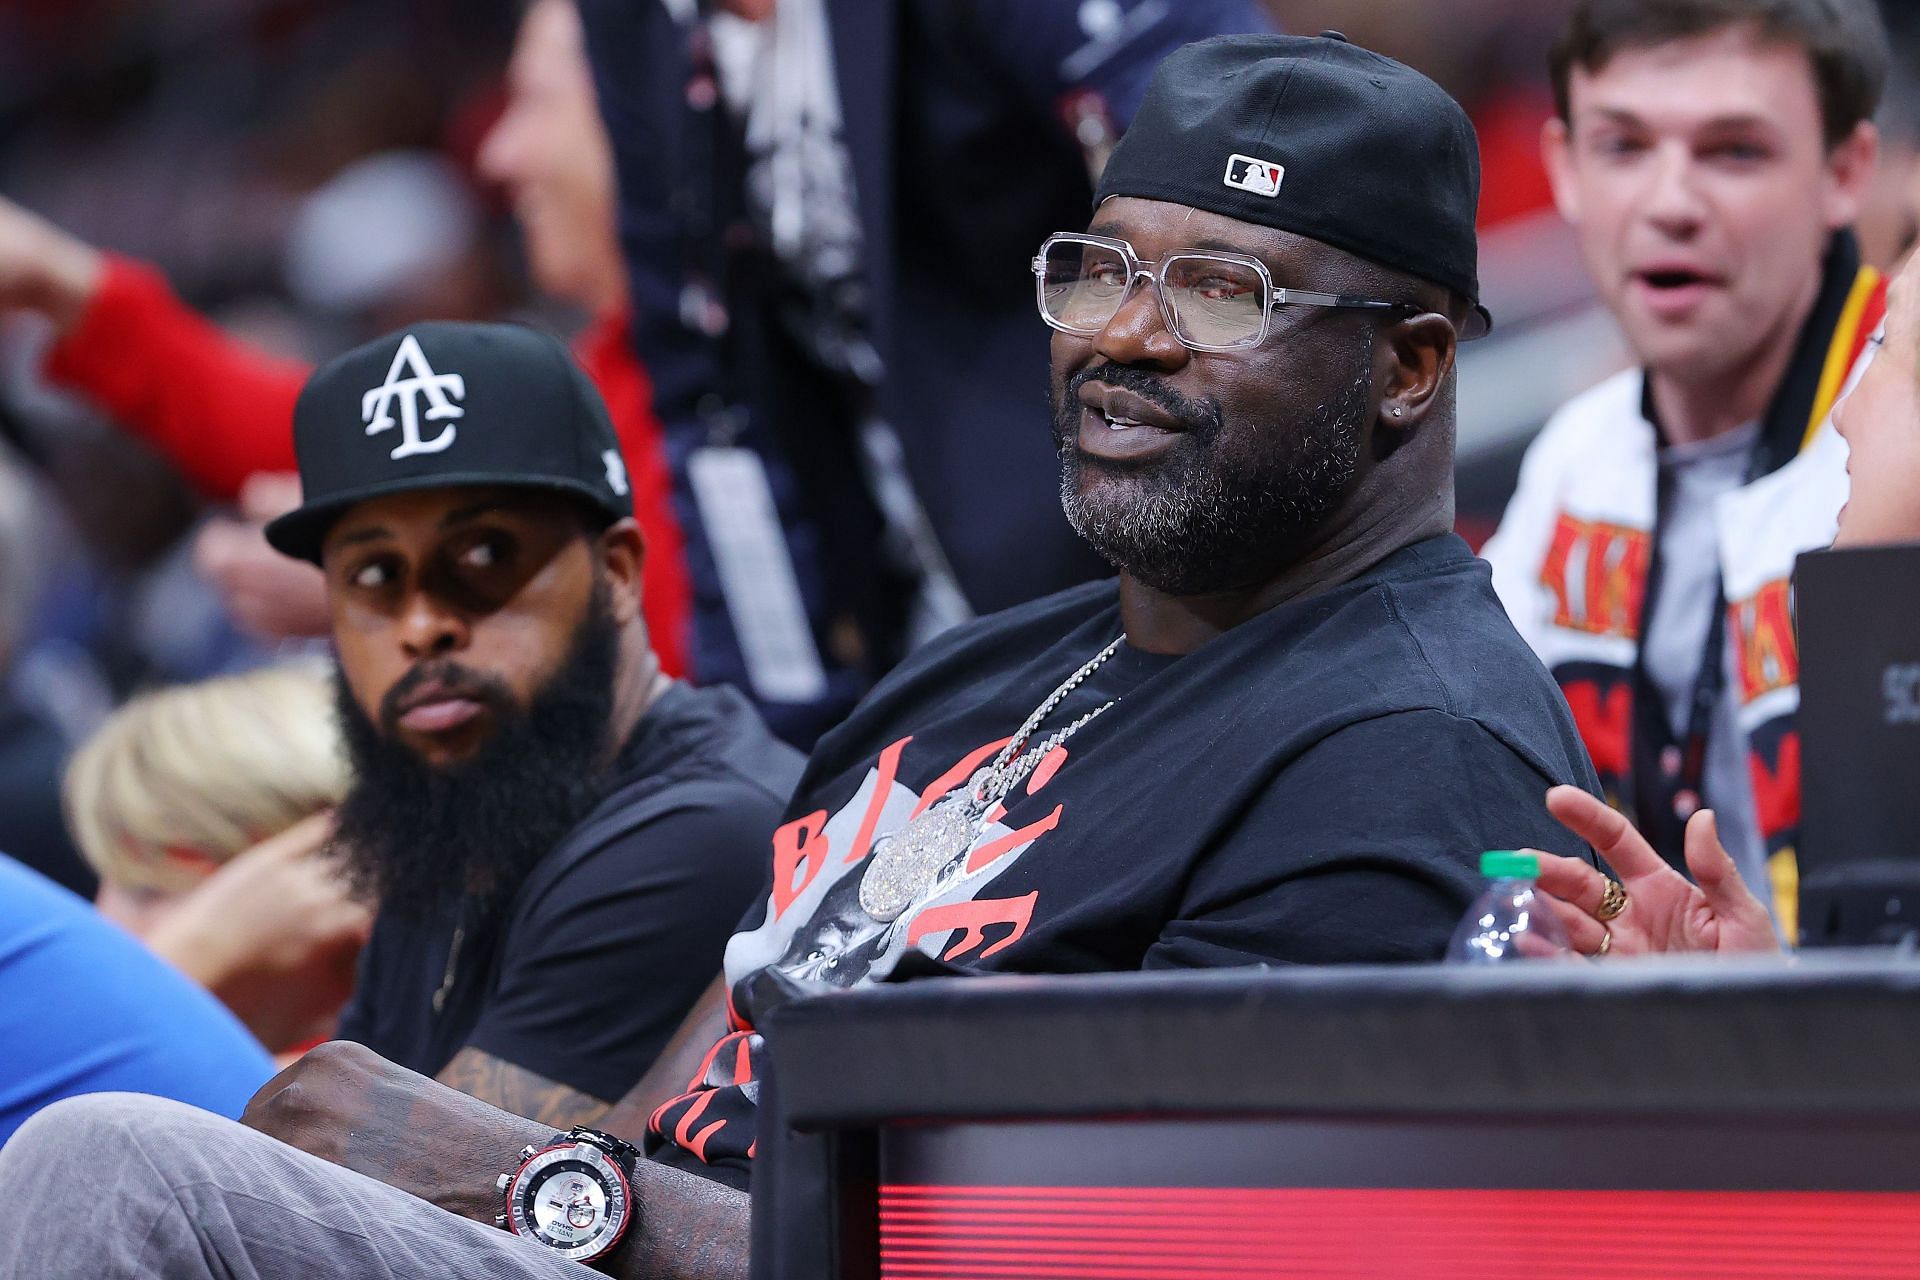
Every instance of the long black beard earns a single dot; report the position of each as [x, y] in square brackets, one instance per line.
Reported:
[1196, 521]
[414, 836]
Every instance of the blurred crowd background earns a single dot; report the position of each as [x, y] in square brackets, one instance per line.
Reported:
[304, 171]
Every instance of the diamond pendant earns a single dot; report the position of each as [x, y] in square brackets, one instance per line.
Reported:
[905, 862]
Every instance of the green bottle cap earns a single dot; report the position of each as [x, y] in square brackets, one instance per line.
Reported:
[1506, 864]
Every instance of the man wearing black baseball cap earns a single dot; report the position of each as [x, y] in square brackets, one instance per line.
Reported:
[560, 838]
[1283, 736]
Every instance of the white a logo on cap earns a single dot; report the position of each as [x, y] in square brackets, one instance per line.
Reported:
[376, 407]
[1262, 177]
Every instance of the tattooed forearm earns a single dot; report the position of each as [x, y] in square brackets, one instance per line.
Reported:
[346, 1104]
[524, 1093]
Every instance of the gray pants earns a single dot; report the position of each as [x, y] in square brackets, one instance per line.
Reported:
[119, 1184]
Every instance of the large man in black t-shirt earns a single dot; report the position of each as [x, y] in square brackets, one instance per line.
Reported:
[1283, 736]
[560, 838]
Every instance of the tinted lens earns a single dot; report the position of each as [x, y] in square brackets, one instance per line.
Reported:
[1216, 302]
[1082, 284]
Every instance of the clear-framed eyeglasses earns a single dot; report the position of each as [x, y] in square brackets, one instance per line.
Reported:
[1211, 301]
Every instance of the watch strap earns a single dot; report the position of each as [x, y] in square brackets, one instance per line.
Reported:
[623, 1153]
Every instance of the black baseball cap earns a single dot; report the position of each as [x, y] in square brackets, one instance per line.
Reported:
[446, 404]
[1317, 136]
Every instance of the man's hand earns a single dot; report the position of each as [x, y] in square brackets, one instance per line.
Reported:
[269, 595]
[345, 1103]
[274, 933]
[44, 269]
[1663, 912]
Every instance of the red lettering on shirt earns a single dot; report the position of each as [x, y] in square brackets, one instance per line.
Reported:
[884, 770]
[993, 849]
[1764, 650]
[697, 1142]
[1598, 575]
[1044, 771]
[975, 917]
[953, 777]
[797, 846]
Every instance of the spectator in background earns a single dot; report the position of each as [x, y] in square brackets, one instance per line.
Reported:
[821, 214]
[32, 748]
[559, 837]
[1880, 421]
[84, 1009]
[204, 809]
[1711, 155]
[221, 410]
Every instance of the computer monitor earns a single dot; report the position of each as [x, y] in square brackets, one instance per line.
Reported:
[1857, 613]
[1554, 1119]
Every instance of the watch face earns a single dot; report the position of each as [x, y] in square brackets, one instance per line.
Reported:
[571, 1198]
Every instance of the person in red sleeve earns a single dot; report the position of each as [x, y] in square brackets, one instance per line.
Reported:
[222, 410]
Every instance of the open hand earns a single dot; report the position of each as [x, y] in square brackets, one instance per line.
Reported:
[1663, 912]
[275, 933]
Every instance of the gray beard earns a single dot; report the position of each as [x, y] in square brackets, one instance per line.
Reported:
[1197, 524]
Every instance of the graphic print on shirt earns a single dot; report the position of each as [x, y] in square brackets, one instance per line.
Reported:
[1598, 575]
[815, 927]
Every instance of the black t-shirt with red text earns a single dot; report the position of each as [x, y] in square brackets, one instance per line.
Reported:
[1314, 786]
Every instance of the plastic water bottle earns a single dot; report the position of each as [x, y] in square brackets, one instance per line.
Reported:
[1511, 920]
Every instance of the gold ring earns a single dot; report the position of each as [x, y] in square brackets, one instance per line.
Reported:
[1612, 902]
[1606, 942]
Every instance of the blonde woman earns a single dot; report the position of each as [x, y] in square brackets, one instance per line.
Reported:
[205, 809]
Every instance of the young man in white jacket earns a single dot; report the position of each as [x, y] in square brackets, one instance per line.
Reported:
[1711, 155]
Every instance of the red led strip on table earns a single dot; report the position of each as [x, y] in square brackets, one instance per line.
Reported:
[1187, 1233]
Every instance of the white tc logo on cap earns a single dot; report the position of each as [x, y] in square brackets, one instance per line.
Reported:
[1262, 177]
[435, 386]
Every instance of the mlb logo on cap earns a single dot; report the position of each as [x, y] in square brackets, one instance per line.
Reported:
[1262, 177]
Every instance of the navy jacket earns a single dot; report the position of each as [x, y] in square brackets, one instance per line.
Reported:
[957, 124]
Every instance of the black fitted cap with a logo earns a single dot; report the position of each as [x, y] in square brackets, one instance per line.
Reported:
[1316, 136]
[442, 405]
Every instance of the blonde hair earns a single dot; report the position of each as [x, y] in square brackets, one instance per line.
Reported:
[213, 767]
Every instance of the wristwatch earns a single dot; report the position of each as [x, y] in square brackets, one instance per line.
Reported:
[574, 1195]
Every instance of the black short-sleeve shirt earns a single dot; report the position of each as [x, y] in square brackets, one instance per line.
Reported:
[615, 933]
[1314, 786]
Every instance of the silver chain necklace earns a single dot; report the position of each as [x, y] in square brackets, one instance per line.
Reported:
[906, 862]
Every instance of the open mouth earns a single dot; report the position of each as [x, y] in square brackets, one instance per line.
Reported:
[1674, 279]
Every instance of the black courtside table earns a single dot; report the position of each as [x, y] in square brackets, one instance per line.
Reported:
[1628, 1120]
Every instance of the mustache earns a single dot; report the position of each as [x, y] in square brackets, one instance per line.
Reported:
[456, 680]
[1195, 415]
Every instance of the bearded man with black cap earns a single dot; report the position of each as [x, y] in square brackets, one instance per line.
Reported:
[1284, 735]
[559, 837]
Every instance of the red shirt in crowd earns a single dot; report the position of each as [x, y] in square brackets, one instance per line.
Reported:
[221, 410]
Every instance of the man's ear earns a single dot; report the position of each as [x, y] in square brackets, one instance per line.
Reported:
[624, 553]
[1556, 152]
[1850, 174]
[1413, 363]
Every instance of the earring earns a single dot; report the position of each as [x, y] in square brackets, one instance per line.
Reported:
[1396, 411]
